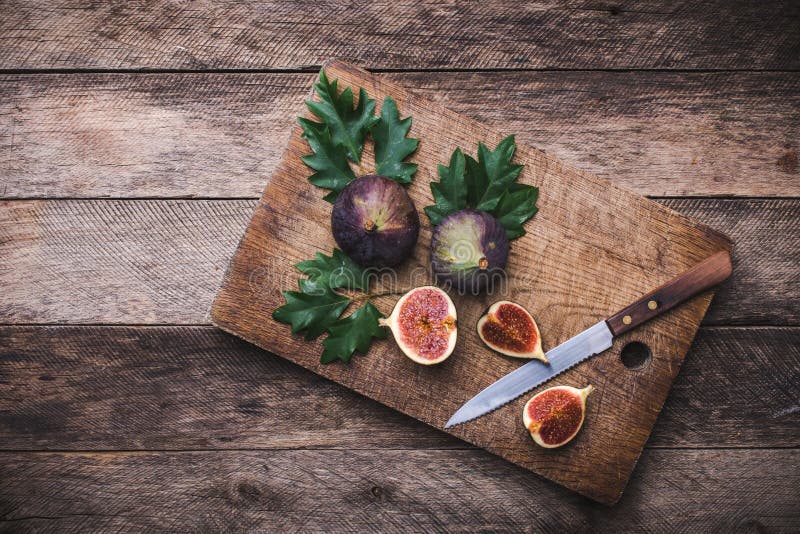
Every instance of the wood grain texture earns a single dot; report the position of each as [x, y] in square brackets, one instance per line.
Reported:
[148, 262]
[161, 261]
[403, 491]
[403, 34]
[721, 381]
[179, 388]
[221, 135]
[608, 236]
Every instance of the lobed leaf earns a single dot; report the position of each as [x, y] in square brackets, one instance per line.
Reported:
[516, 206]
[348, 126]
[450, 192]
[392, 145]
[312, 309]
[486, 184]
[335, 271]
[500, 172]
[330, 161]
[353, 333]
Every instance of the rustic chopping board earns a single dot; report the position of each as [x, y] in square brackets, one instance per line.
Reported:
[591, 249]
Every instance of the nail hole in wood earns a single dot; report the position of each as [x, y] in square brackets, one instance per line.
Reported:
[635, 355]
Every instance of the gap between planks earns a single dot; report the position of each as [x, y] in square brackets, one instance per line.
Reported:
[718, 326]
[316, 68]
[657, 198]
[466, 447]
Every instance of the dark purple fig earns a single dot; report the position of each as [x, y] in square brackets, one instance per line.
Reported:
[375, 222]
[469, 250]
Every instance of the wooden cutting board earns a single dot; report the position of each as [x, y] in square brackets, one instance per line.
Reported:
[591, 249]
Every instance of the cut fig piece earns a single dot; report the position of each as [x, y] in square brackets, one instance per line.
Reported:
[423, 323]
[555, 415]
[509, 329]
[375, 222]
[469, 251]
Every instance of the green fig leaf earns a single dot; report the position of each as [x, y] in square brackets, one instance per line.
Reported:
[316, 308]
[392, 145]
[450, 192]
[500, 172]
[486, 184]
[352, 334]
[348, 125]
[312, 309]
[335, 271]
[330, 161]
[516, 206]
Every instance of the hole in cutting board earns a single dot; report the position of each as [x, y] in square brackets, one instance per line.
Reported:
[635, 355]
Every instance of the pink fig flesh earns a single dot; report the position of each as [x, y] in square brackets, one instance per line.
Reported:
[509, 329]
[554, 416]
[423, 323]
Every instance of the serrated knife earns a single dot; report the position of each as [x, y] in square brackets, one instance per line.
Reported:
[597, 338]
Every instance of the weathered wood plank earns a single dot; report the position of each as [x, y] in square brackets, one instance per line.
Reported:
[736, 386]
[221, 135]
[161, 261]
[179, 388]
[400, 34]
[766, 236]
[387, 490]
[659, 134]
[184, 135]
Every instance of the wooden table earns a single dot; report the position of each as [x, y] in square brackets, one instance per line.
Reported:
[134, 140]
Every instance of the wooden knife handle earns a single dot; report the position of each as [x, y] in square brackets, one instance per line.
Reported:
[702, 276]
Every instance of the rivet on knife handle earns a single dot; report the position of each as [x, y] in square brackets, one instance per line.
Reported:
[702, 276]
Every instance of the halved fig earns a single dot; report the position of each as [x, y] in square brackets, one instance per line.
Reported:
[509, 329]
[423, 323]
[554, 416]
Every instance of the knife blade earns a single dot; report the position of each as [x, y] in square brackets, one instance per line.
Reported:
[591, 341]
[597, 338]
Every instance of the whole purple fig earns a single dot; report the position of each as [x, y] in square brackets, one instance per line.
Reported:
[374, 221]
[469, 250]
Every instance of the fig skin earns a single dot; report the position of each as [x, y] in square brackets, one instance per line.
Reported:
[555, 415]
[423, 323]
[375, 222]
[509, 329]
[469, 250]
